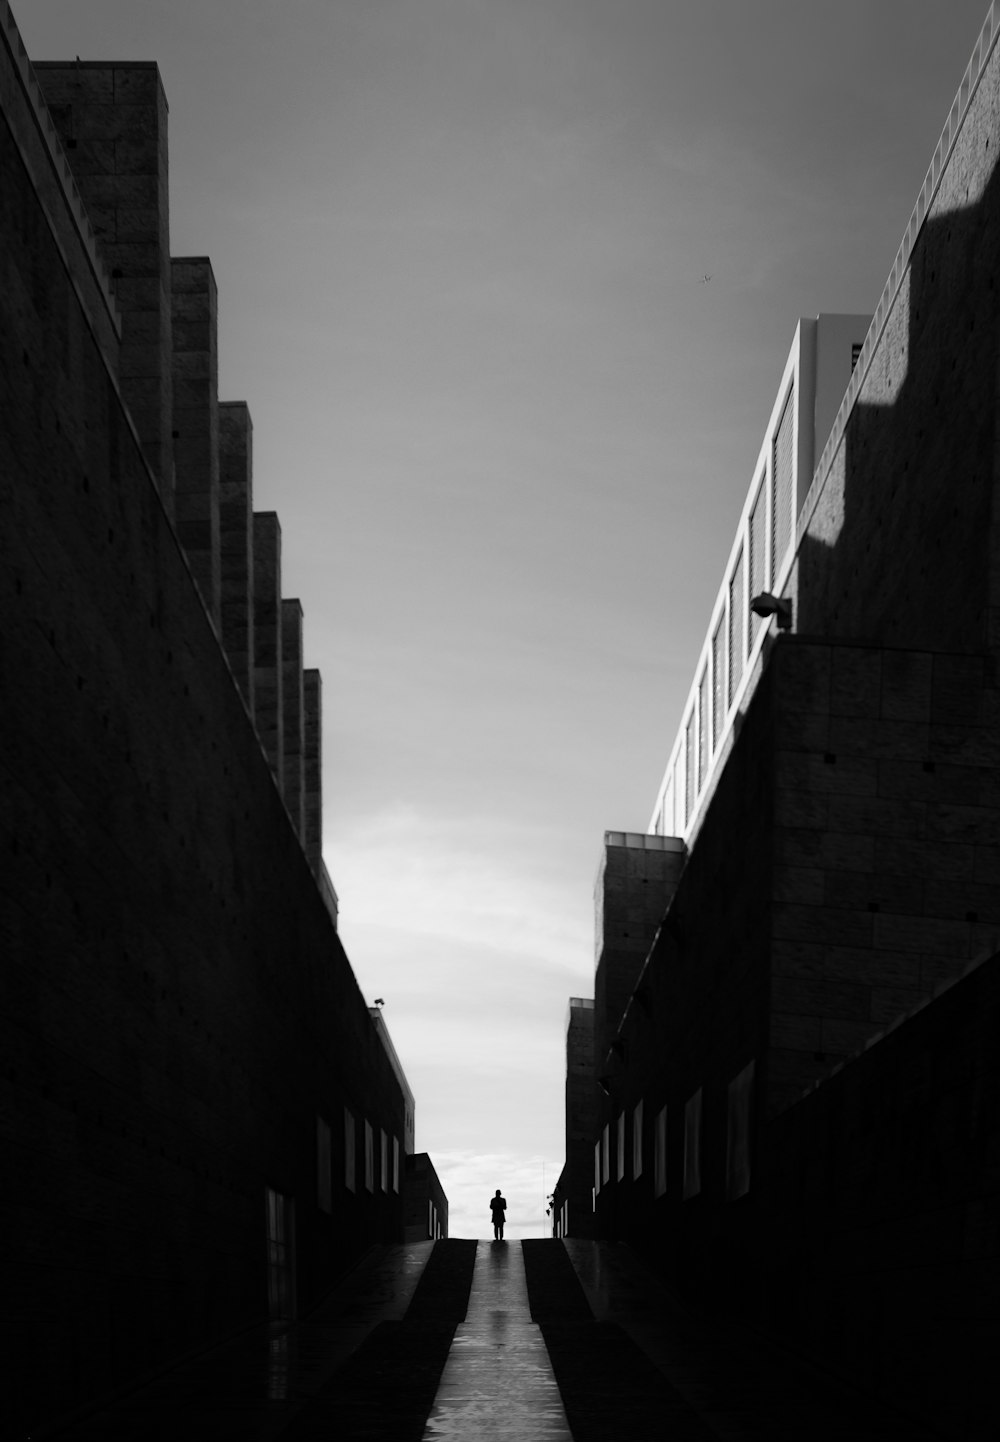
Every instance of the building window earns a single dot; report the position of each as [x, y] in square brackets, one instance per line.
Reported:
[637, 1142]
[280, 1221]
[758, 568]
[692, 1146]
[565, 1218]
[349, 1152]
[736, 633]
[689, 792]
[606, 1154]
[597, 1168]
[783, 484]
[430, 1219]
[660, 1153]
[738, 1134]
[718, 683]
[856, 348]
[384, 1161]
[369, 1157]
[620, 1169]
[395, 1164]
[324, 1180]
[668, 808]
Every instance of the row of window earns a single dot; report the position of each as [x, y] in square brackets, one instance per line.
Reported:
[381, 1171]
[757, 565]
[738, 1118]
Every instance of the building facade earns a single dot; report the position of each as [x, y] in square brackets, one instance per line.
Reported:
[201, 1122]
[797, 1103]
[426, 1203]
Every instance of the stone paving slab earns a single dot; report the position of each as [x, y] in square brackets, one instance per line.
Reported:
[498, 1384]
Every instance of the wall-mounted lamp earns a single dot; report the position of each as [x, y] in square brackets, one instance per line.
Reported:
[778, 606]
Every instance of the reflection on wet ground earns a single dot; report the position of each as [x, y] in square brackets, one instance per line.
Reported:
[498, 1381]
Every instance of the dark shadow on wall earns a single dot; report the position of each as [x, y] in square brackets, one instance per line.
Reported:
[906, 559]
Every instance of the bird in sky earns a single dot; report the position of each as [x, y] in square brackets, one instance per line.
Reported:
[705, 279]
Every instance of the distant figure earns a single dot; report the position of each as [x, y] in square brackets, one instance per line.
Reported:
[498, 1206]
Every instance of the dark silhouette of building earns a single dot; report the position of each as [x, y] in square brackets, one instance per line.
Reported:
[202, 1124]
[426, 1203]
[798, 1100]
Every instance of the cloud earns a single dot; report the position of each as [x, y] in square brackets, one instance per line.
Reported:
[476, 938]
[458, 881]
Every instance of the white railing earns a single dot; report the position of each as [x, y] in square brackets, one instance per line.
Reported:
[982, 51]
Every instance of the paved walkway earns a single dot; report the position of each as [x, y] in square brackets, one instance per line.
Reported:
[497, 1384]
[535, 1342]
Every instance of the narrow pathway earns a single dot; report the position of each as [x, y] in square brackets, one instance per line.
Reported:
[497, 1384]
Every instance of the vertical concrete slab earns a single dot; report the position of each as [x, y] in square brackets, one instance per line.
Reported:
[293, 706]
[636, 881]
[112, 122]
[582, 1113]
[312, 838]
[268, 712]
[236, 541]
[195, 360]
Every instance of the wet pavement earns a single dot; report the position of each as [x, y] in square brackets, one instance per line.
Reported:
[498, 1381]
[536, 1342]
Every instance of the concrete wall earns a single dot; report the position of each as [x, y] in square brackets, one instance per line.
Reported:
[426, 1203]
[901, 538]
[583, 1111]
[635, 882]
[112, 121]
[194, 310]
[236, 543]
[845, 865]
[879, 1214]
[177, 1016]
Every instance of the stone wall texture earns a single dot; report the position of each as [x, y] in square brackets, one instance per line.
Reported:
[177, 1014]
[818, 1012]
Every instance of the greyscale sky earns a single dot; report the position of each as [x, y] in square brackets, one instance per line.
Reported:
[508, 425]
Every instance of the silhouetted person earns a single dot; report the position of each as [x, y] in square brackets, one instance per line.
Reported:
[498, 1206]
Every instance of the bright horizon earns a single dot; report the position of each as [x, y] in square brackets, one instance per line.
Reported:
[508, 425]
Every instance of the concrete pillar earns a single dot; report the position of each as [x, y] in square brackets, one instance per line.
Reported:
[312, 838]
[112, 122]
[637, 878]
[293, 706]
[236, 541]
[194, 315]
[267, 674]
